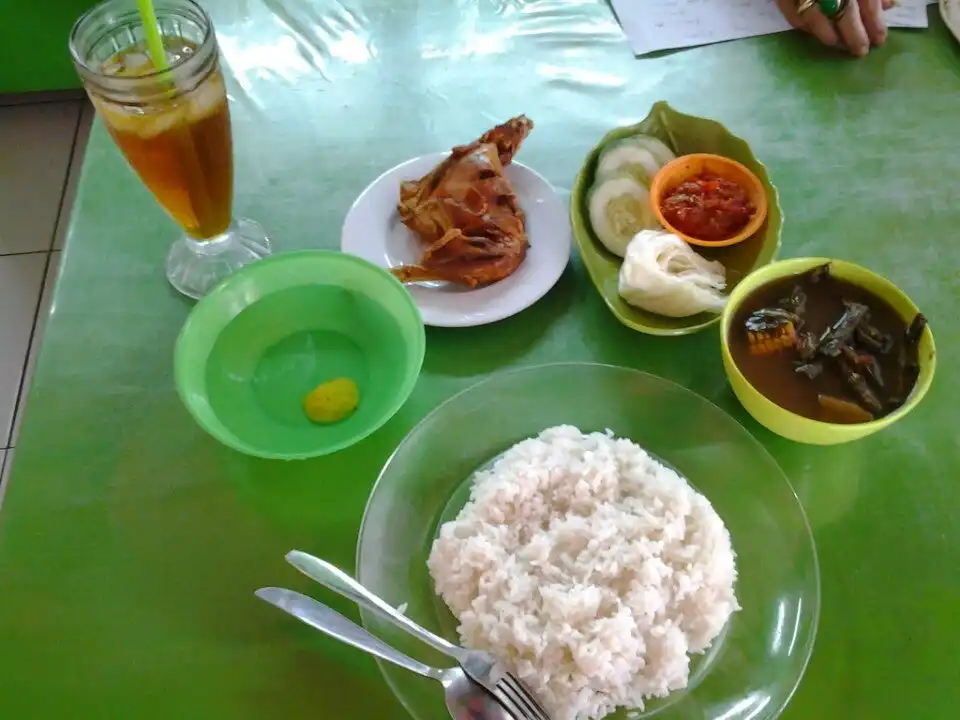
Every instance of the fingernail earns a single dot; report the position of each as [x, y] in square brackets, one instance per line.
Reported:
[861, 50]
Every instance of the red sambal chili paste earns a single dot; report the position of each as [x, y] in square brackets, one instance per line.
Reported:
[707, 207]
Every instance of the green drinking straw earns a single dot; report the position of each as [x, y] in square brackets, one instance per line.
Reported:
[152, 30]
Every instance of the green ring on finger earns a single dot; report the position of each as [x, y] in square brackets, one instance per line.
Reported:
[833, 9]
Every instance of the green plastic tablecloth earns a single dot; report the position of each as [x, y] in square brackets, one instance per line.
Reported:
[131, 543]
[33, 38]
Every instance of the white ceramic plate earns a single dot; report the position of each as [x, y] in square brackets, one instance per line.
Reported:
[374, 232]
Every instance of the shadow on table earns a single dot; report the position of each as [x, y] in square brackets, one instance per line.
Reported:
[826, 478]
[501, 344]
[689, 360]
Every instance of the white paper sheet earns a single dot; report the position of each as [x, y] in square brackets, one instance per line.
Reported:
[652, 25]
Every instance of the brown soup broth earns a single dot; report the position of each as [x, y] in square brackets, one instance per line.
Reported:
[774, 375]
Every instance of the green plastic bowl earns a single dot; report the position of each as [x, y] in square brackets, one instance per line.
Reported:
[252, 349]
[753, 667]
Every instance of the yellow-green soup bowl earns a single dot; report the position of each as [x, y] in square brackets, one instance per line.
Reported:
[789, 424]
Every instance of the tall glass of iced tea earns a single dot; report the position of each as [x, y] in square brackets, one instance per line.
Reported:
[173, 126]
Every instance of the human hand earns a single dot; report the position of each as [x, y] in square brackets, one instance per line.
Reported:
[861, 26]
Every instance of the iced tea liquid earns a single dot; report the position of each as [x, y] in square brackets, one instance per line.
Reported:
[181, 145]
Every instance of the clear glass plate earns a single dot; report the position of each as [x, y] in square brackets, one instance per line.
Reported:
[752, 669]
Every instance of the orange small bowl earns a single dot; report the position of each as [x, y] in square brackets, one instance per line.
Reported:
[686, 166]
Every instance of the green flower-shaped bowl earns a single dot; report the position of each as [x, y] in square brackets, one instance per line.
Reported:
[685, 134]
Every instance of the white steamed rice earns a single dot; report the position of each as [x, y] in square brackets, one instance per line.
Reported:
[589, 568]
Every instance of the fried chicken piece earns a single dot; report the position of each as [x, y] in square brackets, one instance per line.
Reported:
[467, 211]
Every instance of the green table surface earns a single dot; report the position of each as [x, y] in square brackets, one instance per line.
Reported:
[33, 41]
[131, 543]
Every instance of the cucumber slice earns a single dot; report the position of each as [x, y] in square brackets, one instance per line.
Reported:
[639, 155]
[656, 147]
[619, 208]
[627, 157]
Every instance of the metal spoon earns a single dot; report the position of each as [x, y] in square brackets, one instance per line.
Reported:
[465, 699]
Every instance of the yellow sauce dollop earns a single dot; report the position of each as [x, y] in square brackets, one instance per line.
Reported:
[332, 401]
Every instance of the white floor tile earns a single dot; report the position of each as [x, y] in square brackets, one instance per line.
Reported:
[46, 300]
[73, 176]
[21, 277]
[36, 142]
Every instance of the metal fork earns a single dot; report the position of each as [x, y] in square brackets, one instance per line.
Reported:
[481, 667]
